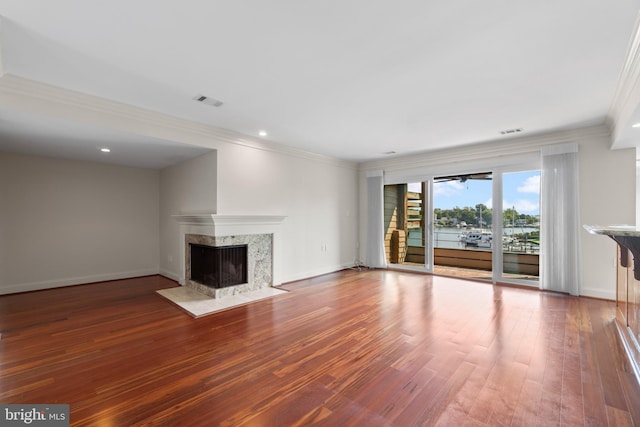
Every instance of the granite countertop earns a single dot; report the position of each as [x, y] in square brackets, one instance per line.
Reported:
[614, 230]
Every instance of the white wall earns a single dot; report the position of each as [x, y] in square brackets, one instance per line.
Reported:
[318, 196]
[607, 196]
[68, 222]
[188, 187]
[607, 188]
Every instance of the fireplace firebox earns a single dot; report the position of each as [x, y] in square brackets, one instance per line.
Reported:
[218, 266]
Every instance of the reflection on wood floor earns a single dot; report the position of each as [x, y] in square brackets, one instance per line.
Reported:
[369, 348]
[468, 273]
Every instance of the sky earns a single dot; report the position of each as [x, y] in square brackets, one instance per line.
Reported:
[520, 190]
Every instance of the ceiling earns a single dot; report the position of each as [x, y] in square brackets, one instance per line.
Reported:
[351, 79]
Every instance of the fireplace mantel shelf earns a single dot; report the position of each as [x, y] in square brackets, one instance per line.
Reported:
[214, 219]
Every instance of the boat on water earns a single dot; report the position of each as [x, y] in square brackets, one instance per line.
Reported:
[478, 238]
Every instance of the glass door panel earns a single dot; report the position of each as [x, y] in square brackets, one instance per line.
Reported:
[462, 219]
[521, 225]
[404, 223]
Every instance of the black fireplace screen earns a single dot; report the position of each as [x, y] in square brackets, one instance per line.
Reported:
[218, 266]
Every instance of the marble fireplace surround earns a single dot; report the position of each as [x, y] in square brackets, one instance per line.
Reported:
[260, 232]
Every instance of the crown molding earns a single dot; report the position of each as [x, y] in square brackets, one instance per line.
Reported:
[42, 98]
[627, 95]
[492, 149]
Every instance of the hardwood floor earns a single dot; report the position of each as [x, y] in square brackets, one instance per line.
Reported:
[371, 348]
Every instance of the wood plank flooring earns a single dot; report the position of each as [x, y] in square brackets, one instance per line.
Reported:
[370, 348]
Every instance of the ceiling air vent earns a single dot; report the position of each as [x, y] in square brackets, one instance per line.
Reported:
[208, 100]
[510, 131]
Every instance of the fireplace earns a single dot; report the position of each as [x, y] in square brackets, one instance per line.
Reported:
[218, 266]
[260, 233]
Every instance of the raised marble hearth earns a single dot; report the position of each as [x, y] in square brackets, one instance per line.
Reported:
[198, 304]
[259, 262]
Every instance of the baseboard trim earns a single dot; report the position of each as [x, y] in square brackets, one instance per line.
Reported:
[80, 280]
[598, 293]
[315, 273]
[169, 275]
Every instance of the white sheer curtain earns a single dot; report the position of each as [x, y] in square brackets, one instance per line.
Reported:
[375, 256]
[560, 220]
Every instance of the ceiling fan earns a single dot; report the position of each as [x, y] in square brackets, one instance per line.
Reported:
[464, 178]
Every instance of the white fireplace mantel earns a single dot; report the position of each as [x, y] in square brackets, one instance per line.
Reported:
[211, 224]
[226, 220]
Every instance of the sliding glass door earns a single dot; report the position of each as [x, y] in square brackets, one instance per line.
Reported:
[481, 225]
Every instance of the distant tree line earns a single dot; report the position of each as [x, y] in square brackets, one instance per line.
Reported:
[480, 216]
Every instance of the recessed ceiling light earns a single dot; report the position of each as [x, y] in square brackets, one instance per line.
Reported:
[105, 150]
[262, 133]
[635, 125]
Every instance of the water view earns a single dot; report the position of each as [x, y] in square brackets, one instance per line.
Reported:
[515, 239]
